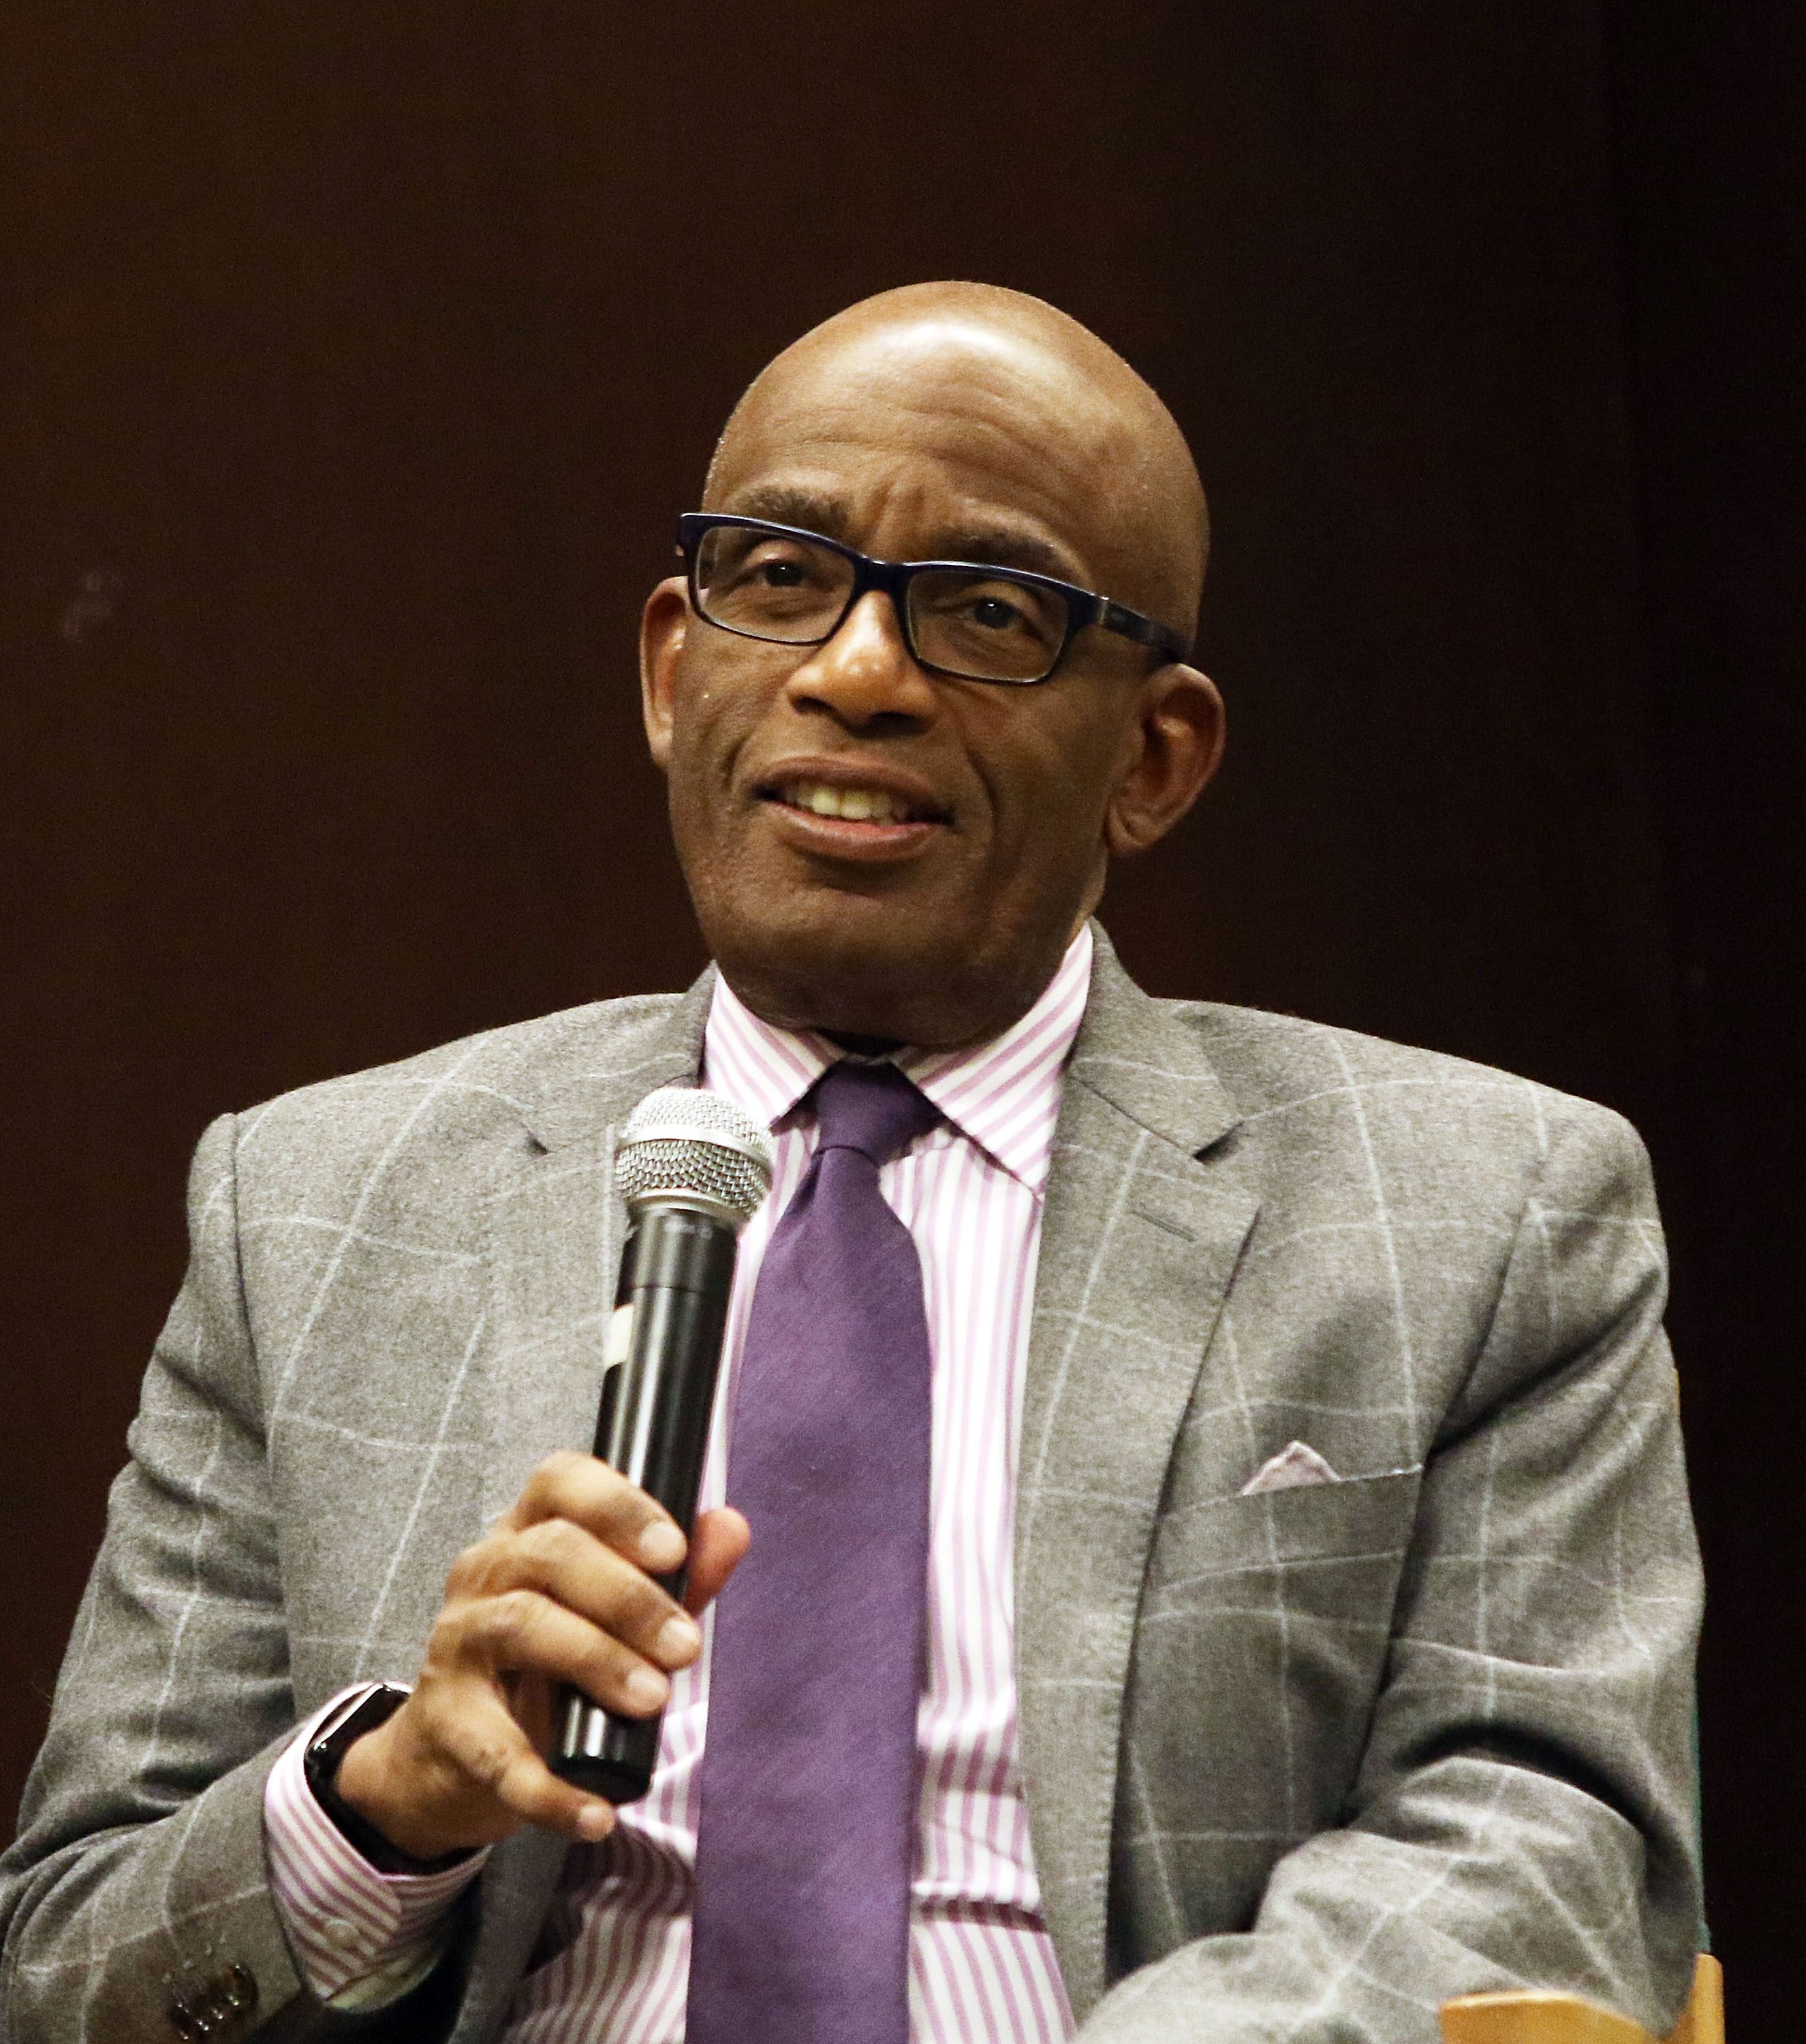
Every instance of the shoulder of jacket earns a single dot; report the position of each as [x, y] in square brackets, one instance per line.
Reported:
[1266, 1060]
[499, 1073]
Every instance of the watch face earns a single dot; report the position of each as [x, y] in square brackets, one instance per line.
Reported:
[358, 1714]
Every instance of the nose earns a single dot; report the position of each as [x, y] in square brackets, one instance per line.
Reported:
[863, 676]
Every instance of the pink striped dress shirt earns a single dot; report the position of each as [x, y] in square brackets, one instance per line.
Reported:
[612, 1963]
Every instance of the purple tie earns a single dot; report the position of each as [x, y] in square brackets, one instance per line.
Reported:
[806, 1843]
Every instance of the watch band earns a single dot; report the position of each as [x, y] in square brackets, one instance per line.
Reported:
[363, 1710]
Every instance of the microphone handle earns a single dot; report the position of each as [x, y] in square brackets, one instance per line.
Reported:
[662, 1359]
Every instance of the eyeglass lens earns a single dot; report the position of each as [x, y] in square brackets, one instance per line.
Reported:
[979, 622]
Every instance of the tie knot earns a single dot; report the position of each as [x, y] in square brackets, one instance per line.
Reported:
[872, 1108]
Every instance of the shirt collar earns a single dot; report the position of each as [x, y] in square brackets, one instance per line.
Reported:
[1003, 1094]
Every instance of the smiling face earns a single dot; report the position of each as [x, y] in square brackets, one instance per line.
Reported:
[872, 850]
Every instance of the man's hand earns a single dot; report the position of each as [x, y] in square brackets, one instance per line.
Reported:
[562, 1591]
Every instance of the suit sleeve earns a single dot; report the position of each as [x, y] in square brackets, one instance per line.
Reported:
[136, 1893]
[1523, 1814]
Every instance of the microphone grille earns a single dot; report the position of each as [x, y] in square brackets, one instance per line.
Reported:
[684, 1140]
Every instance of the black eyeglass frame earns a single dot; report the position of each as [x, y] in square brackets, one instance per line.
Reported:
[1083, 606]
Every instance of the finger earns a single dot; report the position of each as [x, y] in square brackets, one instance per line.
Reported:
[591, 1494]
[522, 1631]
[572, 1566]
[491, 1751]
[719, 1540]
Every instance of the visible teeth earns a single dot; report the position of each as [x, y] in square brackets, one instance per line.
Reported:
[856, 804]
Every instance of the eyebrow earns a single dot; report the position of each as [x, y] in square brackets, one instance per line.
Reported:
[1007, 547]
[994, 545]
[783, 504]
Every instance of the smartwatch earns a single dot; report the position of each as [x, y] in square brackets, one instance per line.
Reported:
[362, 1710]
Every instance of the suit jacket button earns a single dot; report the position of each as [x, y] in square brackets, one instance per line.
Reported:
[221, 2009]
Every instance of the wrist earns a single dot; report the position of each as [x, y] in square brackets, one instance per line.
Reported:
[361, 1777]
[350, 1769]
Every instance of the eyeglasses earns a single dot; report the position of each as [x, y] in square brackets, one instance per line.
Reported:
[958, 618]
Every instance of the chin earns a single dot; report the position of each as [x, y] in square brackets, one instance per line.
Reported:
[851, 975]
[865, 969]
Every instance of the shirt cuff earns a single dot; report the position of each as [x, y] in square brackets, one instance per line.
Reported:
[360, 1936]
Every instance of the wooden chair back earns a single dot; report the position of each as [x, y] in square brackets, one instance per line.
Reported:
[1565, 2018]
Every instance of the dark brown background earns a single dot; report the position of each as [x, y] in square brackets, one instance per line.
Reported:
[362, 354]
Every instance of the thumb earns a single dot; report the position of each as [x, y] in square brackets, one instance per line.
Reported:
[721, 1537]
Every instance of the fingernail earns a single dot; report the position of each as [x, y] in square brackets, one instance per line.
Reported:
[646, 1689]
[678, 1641]
[661, 1546]
[595, 1820]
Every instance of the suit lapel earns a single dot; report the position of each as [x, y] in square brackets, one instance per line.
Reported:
[1139, 1238]
[554, 1242]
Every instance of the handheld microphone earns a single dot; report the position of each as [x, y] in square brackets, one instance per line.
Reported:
[692, 1167]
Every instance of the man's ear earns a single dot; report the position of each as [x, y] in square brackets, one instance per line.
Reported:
[1174, 751]
[662, 625]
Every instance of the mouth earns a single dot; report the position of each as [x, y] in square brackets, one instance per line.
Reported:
[852, 805]
[844, 811]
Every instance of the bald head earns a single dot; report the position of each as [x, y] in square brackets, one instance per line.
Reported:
[878, 845]
[989, 360]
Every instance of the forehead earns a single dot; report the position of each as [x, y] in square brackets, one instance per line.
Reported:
[915, 436]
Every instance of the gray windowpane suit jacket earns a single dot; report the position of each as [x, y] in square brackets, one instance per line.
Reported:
[1299, 1764]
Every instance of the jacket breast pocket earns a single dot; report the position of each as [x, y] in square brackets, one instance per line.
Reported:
[1333, 1545]
[1262, 1640]
[1264, 1629]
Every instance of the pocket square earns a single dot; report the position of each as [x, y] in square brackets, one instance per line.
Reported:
[1294, 1466]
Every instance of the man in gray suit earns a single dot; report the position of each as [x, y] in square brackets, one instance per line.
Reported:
[1354, 1586]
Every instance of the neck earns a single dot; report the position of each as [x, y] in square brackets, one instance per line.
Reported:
[836, 998]
[863, 1046]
